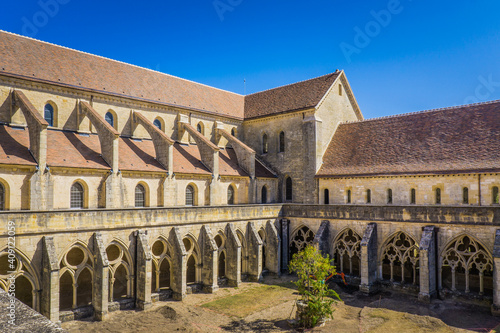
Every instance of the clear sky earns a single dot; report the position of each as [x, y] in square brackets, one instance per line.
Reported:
[399, 56]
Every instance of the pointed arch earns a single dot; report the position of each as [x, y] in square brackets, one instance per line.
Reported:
[399, 258]
[120, 270]
[231, 194]
[161, 251]
[347, 251]
[193, 270]
[302, 236]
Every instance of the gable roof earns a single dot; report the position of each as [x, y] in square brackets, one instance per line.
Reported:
[36, 60]
[458, 139]
[292, 97]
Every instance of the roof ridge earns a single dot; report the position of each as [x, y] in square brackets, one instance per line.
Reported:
[291, 84]
[118, 61]
[420, 112]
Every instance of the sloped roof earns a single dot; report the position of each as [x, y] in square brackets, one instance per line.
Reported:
[296, 96]
[36, 60]
[13, 147]
[458, 139]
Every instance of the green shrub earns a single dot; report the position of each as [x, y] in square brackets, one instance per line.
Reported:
[313, 269]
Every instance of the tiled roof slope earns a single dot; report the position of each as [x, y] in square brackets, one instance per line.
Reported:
[300, 95]
[38, 60]
[14, 146]
[465, 138]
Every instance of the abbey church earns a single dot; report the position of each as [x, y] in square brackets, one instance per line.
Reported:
[127, 186]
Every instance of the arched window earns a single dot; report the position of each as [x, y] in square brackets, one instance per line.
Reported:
[77, 195]
[2, 197]
[264, 194]
[157, 123]
[288, 189]
[465, 195]
[348, 198]
[110, 119]
[495, 197]
[340, 89]
[199, 128]
[389, 196]
[140, 196]
[265, 145]
[368, 196]
[189, 195]
[282, 142]
[438, 196]
[413, 196]
[230, 195]
[48, 114]
[327, 196]
[233, 133]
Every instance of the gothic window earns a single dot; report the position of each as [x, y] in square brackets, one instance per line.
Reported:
[233, 133]
[348, 197]
[199, 128]
[438, 196]
[300, 240]
[192, 262]
[288, 189]
[161, 266]
[191, 270]
[140, 196]
[282, 142]
[347, 252]
[14, 266]
[465, 195]
[190, 195]
[495, 195]
[413, 196]
[75, 282]
[77, 194]
[265, 147]
[157, 123]
[466, 265]
[230, 195]
[264, 194]
[368, 196]
[110, 119]
[48, 114]
[119, 272]
[327, 196]
[400, 259]
[2, 197]
[389, 196]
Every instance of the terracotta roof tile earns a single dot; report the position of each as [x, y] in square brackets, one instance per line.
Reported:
[459, 139]
[138, 155]
[14, 143]
[291, 97]
[38, 60]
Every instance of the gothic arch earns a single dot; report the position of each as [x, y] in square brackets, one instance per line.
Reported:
[466, 264]
[243, 259]
[302, 236]
[120, 282]
[347, 251]
[193, 271]
[399, 258]
[5, 199]
[161, 252]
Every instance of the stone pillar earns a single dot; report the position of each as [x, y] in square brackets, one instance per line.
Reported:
[179, 261]
[285, 245]
[427, 262]
[495, 307]
[209, 258]
[369, 259]
[49, 302]
[254, 253]
[322, 238]
[233, 256]
[100, 290]
[144, 272]
[273, 249]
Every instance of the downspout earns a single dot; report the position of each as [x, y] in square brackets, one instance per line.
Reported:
[479, 188]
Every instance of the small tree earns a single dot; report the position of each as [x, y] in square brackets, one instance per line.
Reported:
[313, 269]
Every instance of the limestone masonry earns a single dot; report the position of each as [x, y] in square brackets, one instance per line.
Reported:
[127, 186]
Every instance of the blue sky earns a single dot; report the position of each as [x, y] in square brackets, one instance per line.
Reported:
[399, 56]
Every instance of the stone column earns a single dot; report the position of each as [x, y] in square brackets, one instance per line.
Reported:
[495, 307]
[285, 245]
[49, 302]
[179, 261]
[144, 270]
[322, 238]
[233, 256]
[427, 263]
[100, 290]
[273, 249]
[209, 259]
[369, 259]
[254, 253]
